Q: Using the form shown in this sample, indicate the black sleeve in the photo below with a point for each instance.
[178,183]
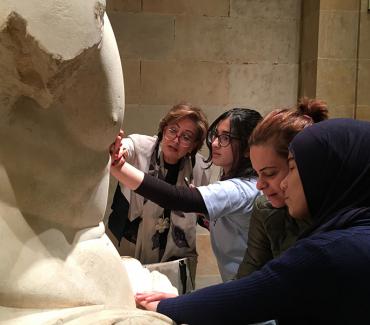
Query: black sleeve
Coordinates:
[171,197]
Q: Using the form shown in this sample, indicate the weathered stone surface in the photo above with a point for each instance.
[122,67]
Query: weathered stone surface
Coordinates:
[364,50]
[87,315]
[207,270]
[308,79]
[337,50]
[310,36]
[141,36]
[364,5]
[207,45]
[363,112]
[338,111]
[278,82]
[144,117]
[336,83]
[188,7]
[338,34]
[274,40]
[131,75]
[123,6]
[310,7]
[266,8]
[363,91]
[339,5]
[62,101]
[237,40]
[212,112]
[173,81]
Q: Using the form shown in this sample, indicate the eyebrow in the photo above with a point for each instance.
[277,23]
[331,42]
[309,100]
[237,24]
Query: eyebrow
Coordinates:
[267,167]
[222,132]
[290,159]
[186,130]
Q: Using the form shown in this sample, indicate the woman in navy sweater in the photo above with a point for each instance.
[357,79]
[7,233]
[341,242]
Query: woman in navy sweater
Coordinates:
[324,278]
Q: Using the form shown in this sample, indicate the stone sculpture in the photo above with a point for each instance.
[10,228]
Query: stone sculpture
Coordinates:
[61,104]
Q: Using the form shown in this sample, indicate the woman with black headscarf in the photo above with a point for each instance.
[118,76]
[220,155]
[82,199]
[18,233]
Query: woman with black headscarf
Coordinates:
[324,278]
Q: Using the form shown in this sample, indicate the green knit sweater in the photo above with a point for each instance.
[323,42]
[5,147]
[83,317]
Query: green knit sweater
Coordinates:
[271,232]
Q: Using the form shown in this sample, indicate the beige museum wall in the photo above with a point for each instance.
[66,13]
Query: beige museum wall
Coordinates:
[335,55]
[363,98]
[214,53]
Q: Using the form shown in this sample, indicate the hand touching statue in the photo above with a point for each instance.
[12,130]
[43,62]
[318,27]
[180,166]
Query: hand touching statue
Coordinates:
[150,300]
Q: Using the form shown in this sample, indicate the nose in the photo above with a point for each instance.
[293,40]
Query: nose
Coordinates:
[260,184]
[176,139]
[284,184]
[216,142]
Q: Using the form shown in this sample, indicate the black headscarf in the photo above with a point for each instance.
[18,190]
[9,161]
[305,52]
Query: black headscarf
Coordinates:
[333,160]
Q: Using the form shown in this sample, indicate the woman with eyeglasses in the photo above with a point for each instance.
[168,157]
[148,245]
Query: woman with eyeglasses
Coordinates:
[227,202]
[141,228]
[324,277]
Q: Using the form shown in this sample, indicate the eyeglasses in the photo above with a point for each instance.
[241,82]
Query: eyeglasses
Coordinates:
[185,139]
[224,139]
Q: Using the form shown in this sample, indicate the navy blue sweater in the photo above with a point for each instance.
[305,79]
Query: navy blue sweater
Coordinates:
[322,279]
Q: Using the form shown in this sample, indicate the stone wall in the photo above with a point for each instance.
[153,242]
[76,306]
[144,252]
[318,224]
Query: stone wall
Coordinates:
[363,93]
[335,55]
[214,53]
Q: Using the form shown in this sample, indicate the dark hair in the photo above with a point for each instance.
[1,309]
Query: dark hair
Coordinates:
[186,110]
[242,123]
[279,127]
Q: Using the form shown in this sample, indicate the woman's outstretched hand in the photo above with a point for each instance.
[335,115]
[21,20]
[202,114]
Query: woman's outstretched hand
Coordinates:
[150,300]
[117,151]
[128,175]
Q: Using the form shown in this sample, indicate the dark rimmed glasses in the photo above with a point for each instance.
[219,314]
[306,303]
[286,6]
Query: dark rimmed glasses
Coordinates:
[185,139]
[223,139]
